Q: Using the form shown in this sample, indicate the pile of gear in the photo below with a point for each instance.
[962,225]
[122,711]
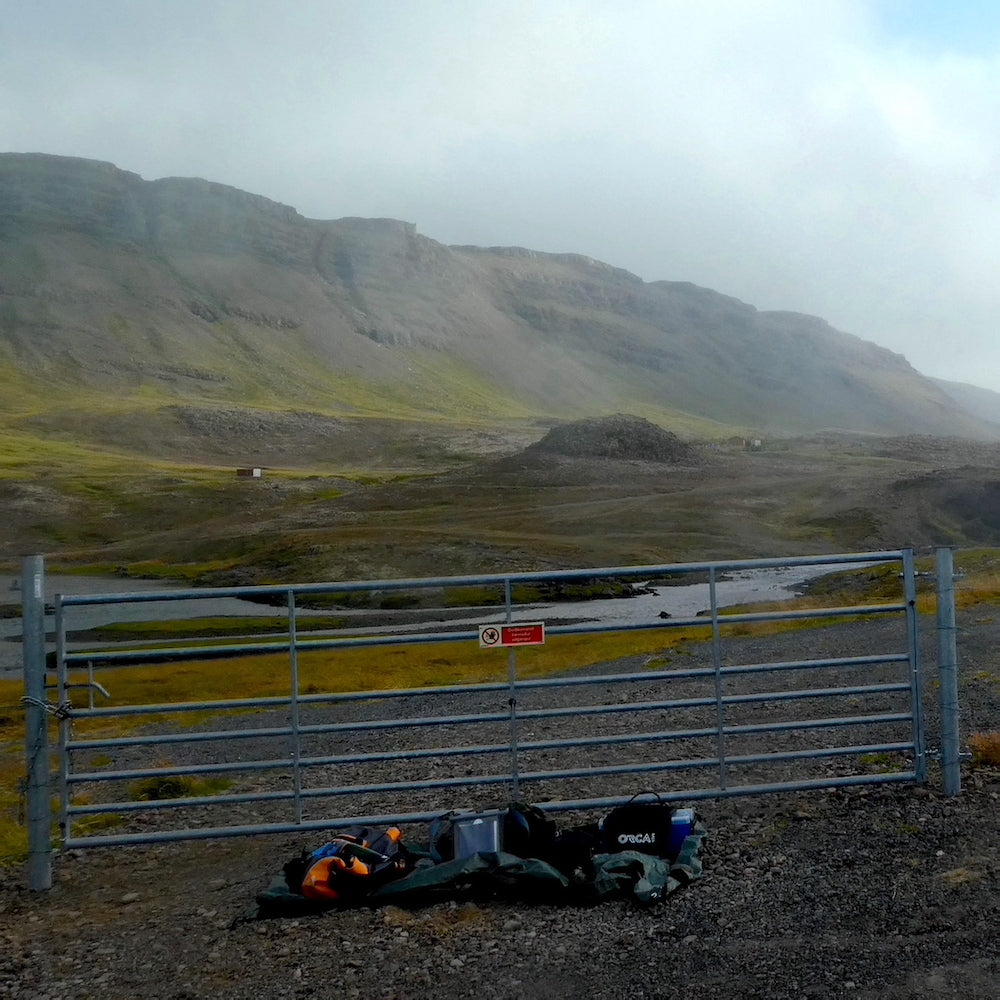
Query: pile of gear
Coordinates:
[641,849]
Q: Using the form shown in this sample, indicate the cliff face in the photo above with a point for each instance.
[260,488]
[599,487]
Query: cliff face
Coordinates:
[203,292]
[88,196]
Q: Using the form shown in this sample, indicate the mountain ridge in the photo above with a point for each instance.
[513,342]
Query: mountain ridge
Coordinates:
[188,290]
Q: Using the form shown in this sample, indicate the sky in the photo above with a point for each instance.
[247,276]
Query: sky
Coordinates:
[834,157]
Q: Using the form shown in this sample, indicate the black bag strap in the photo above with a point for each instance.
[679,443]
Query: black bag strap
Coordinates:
[648,791]
[442,837]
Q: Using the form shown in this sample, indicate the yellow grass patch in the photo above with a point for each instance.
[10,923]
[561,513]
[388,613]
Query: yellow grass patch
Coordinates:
[438,923]
[962,876]
[380,668]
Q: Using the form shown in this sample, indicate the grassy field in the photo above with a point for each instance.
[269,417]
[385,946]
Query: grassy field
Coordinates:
[149,487]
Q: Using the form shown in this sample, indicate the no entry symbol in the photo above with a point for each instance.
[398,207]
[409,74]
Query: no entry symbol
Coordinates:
[515,634]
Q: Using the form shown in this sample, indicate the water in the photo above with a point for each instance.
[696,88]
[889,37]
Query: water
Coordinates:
[680,601]
[688,600]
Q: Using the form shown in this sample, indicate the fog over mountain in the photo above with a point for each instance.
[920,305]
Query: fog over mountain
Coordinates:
[837,159]
[186,290]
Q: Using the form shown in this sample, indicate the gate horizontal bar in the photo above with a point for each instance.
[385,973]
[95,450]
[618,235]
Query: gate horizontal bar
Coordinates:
[399,819]
[426,583]
[492,779]
[178,653]
[386,755]
[546,713]
[531,684]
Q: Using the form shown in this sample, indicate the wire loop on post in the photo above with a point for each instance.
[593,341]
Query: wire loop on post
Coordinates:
[61,711]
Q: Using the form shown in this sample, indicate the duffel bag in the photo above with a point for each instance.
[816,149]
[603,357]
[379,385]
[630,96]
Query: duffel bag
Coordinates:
[639,826]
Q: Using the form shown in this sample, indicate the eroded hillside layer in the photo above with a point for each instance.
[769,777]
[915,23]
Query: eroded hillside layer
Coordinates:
[182,289]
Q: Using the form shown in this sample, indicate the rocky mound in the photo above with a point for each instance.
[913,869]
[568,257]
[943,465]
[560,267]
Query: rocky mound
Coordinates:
[620,436]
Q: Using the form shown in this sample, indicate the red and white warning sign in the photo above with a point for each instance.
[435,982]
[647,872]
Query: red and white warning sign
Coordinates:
[521,634]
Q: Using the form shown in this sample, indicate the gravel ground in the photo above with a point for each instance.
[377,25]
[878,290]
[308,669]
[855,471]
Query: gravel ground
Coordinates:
[863,892]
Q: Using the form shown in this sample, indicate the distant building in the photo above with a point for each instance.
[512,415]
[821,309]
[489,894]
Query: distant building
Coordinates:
[747,444]
[255,472]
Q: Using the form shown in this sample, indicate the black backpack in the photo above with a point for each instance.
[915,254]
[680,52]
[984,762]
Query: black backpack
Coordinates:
[525,831]
[574,850]
[528,832]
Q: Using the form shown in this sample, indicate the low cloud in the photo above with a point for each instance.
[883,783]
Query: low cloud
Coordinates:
[805,157]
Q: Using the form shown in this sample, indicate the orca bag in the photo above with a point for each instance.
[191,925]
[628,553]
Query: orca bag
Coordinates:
[639,826]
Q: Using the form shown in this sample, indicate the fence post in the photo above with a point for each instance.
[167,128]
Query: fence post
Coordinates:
[36,743]
[948,670]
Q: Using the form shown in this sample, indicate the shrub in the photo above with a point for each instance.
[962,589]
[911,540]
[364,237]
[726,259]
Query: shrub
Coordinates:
[154,789]
[985,749]
[175,787]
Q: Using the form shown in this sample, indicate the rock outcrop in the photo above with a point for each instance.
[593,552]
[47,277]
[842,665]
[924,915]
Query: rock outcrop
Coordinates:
[618,437]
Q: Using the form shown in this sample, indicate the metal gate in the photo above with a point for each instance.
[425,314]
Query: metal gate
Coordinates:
[569,710]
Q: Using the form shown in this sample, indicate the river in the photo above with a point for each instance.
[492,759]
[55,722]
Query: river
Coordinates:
[678,601]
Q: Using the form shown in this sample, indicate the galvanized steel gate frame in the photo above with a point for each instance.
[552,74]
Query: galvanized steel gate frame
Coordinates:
[508,785]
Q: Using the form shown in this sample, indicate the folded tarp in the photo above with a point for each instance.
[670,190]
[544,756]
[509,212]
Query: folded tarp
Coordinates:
[479,876]
[491,875]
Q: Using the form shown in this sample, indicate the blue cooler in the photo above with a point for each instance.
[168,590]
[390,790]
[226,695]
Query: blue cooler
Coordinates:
[681,824]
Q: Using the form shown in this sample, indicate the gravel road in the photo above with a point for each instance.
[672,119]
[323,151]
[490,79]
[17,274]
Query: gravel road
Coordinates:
[861,893]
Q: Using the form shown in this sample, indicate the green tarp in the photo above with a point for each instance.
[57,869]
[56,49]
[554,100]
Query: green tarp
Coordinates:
[492,875]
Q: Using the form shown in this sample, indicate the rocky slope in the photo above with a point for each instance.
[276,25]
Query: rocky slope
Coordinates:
[617,437]
[185,289]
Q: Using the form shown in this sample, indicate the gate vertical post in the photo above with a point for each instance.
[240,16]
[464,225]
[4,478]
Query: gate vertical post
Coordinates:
[62,687]
[916,678]
[720,711]
[515,776]
[948,670]
[293,652]
[36,744]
